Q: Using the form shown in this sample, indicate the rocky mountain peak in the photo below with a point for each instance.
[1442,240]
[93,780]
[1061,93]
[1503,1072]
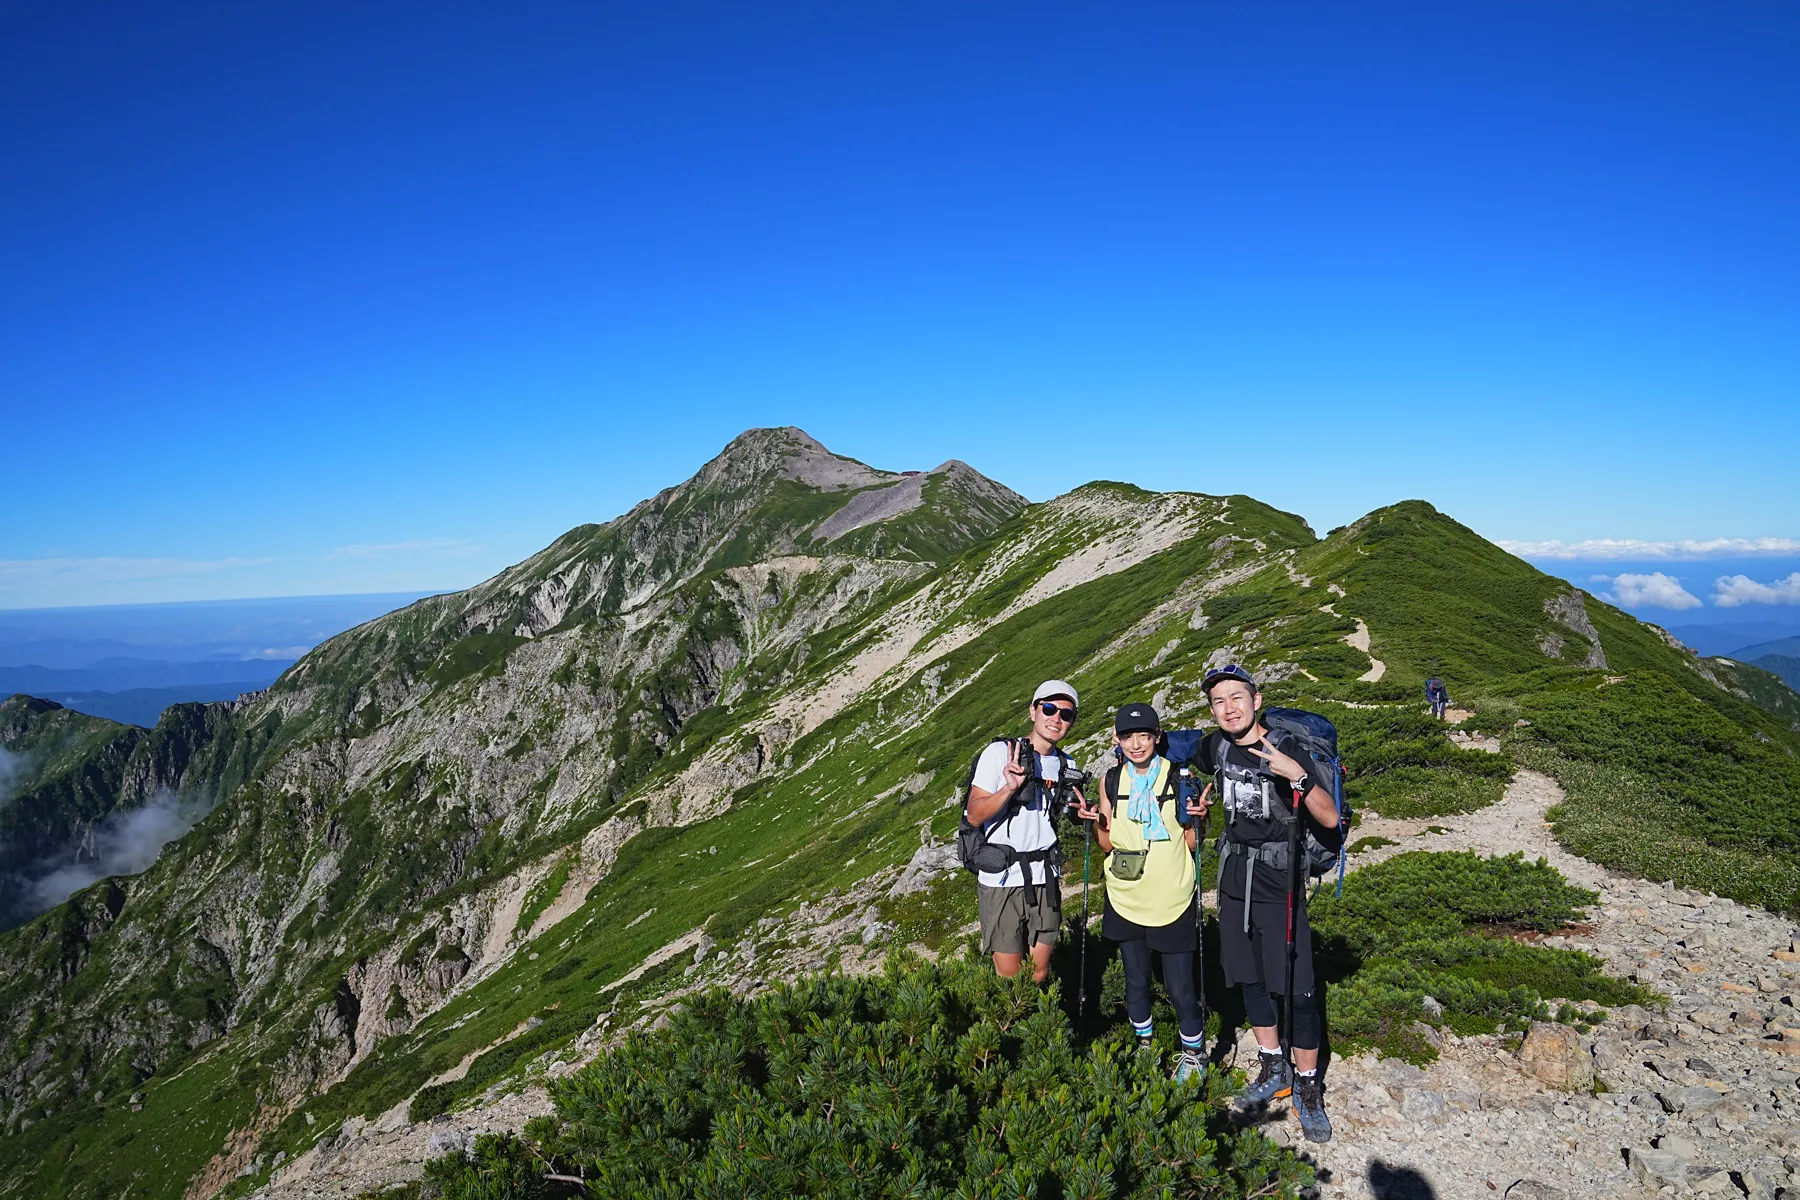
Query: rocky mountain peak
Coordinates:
[787,452]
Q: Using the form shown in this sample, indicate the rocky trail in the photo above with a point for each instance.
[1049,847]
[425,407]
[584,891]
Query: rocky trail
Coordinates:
[1702,1099]
[1699,1100]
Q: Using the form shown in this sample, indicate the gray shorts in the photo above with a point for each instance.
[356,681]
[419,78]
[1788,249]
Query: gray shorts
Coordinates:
[1011,923]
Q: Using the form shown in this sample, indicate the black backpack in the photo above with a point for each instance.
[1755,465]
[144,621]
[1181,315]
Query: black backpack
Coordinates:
[973,849]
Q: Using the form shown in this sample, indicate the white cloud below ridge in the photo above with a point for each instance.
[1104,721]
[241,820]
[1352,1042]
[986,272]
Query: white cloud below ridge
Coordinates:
[1633,548]
[1654,590]
[1733,591]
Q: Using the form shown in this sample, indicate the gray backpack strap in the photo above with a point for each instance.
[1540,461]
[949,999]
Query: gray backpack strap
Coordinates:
[1221,750]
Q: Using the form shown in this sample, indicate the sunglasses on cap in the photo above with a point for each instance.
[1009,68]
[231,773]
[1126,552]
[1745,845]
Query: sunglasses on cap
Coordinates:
[1233,671]
[1057,710]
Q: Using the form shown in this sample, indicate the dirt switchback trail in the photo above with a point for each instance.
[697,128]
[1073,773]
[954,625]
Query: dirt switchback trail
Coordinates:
[1700,1100]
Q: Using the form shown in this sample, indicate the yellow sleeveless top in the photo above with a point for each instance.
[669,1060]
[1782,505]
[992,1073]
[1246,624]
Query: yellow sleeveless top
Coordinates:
[1165,889]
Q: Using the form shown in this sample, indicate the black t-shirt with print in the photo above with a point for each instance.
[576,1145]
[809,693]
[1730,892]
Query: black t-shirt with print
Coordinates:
[1239,794]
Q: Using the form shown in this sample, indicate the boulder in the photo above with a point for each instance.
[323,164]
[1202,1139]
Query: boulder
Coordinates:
[1690,1100]
[1554,1054]
[1711,1181]
[1658,1168]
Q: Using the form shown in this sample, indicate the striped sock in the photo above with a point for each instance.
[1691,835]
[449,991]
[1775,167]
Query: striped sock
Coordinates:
[1143,1029]
[1193,1043]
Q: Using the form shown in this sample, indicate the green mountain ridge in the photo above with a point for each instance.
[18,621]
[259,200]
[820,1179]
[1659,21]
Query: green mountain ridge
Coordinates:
[460,829]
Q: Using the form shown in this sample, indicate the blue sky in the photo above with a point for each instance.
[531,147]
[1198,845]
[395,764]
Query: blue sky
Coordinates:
[370,298]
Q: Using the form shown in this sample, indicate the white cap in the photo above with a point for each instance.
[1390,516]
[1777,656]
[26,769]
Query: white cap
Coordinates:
[1055,687]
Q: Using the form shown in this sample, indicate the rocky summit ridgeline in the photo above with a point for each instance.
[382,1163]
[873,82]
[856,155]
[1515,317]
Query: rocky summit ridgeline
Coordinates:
[458,850]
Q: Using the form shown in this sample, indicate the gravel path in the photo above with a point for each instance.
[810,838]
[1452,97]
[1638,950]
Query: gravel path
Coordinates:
[1701,1099]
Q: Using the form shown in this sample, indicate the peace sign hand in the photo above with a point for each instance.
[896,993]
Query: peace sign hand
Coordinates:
[1278,763]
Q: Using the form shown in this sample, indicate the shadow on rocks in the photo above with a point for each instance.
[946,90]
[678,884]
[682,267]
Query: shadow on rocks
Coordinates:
[1390,1182]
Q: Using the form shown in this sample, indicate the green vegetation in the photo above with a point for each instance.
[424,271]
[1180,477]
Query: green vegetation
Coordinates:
[1400,764]
[479,750]
[1442,926]
[924,1081]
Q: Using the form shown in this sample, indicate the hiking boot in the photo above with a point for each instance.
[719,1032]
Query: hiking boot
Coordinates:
[1273,1083]
[1188,1065]
[1146,1051]
[1309,1106]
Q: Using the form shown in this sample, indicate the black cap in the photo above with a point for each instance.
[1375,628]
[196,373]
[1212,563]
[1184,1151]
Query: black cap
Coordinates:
[1135,717]
[1221,674]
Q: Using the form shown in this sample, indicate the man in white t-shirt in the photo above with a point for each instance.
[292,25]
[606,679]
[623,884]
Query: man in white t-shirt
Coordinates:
[1011,796]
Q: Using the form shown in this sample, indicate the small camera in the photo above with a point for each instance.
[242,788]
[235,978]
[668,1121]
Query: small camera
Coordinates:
[1072,779]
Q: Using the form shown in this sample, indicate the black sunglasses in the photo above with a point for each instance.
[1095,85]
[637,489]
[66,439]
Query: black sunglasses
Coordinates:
[1056,710]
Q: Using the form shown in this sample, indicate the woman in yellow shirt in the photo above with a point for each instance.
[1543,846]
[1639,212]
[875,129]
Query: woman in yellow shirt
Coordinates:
[1150,899]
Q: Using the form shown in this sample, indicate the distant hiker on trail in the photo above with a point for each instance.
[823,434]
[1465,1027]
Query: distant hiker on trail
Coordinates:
[1151,901]
[1009,836]
[1257,890]
[1438,695]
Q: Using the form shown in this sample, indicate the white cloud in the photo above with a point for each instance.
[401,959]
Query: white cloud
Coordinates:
[1655,590]
[11,767]
[1731,591]
[125,842]
[1632,548]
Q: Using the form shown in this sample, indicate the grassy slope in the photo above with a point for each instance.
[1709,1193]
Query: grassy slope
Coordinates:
[1438,601]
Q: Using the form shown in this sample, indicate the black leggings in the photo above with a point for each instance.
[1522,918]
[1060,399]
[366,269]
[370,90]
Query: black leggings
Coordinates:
[1178,978]
[1263,1012]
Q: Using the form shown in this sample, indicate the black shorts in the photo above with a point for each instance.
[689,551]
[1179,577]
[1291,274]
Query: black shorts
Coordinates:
[1261,955]
[1180,936]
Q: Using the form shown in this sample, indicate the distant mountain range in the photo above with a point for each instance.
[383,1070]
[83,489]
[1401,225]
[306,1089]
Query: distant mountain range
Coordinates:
[144,706]
[282,627]
[1734,641]
[122,674]
[1779,658]
[1788,647]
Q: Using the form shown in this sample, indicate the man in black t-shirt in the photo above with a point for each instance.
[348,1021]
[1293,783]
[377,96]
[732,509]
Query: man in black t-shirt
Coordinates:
[1261,772]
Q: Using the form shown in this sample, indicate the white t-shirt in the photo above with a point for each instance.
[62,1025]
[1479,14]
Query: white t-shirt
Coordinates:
[1030,827]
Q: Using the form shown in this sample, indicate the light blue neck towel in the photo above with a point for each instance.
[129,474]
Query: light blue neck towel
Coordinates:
[1142,807]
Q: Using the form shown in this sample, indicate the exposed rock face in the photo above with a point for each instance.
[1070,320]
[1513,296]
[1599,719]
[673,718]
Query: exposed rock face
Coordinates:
[876,505]
[1570,609]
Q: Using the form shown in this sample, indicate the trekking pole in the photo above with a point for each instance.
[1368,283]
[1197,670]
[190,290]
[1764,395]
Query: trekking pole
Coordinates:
[1200,912]
[1293,930]
[1087,841]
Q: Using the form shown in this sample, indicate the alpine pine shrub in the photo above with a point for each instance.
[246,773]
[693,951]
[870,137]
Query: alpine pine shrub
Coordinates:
[925,1081]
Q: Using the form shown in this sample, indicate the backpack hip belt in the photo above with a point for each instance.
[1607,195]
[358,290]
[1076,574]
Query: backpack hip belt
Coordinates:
[1273,854]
